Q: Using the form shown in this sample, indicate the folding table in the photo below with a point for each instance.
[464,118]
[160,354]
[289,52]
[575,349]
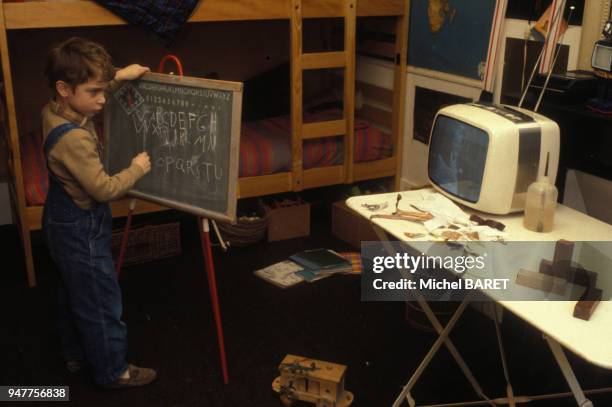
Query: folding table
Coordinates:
[591,340]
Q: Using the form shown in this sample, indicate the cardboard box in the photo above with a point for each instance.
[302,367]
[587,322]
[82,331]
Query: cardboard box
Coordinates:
[349,226]
[287,221]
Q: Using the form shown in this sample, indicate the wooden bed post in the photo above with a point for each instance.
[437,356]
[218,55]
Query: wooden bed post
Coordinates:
[399,85]
[296,94]
[350,23]
[16,183]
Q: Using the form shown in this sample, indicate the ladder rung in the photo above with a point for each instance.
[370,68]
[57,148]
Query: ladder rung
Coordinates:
[320,60]
[328,128]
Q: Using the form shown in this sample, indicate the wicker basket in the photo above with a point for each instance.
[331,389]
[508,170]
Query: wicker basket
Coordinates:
[148,243]
[246,231]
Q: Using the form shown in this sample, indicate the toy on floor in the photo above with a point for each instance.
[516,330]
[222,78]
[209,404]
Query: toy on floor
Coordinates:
[314,381]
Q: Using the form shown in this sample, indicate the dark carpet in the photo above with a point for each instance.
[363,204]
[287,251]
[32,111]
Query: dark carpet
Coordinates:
[170,327]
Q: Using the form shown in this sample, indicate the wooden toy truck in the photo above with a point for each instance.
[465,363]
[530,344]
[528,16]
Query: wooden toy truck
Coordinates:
[314,381]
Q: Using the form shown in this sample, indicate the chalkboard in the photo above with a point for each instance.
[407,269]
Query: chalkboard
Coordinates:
[190,127]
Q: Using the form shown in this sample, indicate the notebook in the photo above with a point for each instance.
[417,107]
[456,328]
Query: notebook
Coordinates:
[320,259]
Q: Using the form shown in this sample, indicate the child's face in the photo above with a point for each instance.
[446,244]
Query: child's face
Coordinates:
[88,98]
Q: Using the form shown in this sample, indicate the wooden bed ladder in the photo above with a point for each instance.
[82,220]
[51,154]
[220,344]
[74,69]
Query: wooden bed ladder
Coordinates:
[300,61]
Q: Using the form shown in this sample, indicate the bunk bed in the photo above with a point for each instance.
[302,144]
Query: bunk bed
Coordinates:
[339,155]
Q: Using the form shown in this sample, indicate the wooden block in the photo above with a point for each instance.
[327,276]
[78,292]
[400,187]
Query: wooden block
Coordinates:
[583,277]
[574,274]
[546,267]
[585,307]
[541,281]
[562,258]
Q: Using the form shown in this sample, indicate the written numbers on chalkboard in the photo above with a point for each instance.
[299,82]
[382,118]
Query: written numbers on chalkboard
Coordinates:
[190,127]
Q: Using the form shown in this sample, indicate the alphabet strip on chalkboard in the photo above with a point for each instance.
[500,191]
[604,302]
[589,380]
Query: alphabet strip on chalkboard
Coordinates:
[186,90]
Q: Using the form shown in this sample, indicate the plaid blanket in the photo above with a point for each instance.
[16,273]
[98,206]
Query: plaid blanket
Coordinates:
[162,17]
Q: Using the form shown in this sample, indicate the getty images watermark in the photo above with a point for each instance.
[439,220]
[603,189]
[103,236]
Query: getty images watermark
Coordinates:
[448,271]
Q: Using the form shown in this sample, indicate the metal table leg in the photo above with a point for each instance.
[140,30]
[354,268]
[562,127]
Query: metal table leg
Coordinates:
[434,348]
[439,329]
[567,371]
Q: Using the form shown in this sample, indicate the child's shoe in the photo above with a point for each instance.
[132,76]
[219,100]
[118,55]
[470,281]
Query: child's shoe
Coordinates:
[133,377]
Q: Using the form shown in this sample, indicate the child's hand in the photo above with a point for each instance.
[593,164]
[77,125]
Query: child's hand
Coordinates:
[142,160]
[131,72]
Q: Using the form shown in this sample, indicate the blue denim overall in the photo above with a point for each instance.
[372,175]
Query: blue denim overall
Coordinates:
[89,295]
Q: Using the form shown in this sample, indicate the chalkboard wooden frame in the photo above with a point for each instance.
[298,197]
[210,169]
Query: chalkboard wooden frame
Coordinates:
[229,214]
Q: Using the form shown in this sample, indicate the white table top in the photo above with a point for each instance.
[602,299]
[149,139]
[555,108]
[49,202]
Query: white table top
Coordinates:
[591,339]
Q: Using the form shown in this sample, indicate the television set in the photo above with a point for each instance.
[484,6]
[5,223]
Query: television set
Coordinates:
[485,156]
[602,55]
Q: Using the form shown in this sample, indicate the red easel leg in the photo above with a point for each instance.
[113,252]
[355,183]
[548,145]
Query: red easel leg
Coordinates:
[124,238]
[212,286]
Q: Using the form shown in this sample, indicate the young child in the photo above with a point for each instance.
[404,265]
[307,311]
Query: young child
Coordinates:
[77,219]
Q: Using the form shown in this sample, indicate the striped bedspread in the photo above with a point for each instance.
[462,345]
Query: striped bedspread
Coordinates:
[265,145]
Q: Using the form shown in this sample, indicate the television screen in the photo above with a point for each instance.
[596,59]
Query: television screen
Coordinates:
[457,157]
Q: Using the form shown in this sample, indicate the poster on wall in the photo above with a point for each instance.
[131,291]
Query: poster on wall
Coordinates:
[454,36]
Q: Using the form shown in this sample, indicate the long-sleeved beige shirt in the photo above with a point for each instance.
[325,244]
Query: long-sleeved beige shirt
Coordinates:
[76,160]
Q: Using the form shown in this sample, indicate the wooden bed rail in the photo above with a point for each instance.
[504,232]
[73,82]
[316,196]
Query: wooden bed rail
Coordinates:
[78,13]
[18,195]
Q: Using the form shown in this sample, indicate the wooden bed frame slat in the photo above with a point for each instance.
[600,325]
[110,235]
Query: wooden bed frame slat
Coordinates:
[323,176]
[328,128]
[324,60]
[350,29]
[86,14]
[296,94]
[364,8]
[375,169]
[399,84]
[264,185]
[13,137]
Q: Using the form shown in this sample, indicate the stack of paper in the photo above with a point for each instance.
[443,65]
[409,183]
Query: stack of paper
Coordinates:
[449,219]
[310,265]
[281,274]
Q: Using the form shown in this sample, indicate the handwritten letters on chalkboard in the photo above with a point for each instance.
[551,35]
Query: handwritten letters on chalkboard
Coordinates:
[190,128]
